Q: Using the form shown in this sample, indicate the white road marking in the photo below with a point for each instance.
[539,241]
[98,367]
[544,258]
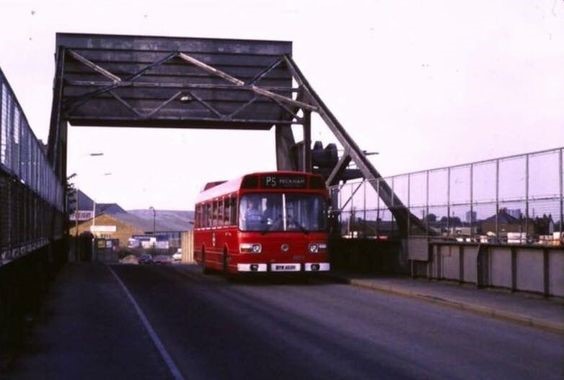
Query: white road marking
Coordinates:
[152,333]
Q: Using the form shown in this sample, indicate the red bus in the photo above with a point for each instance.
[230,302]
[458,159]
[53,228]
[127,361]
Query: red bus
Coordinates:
[263,222]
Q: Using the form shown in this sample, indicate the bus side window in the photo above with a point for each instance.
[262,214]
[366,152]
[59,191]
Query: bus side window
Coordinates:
[208,215]
[219,221]
[227,210]
[214,213]
[197,219]
[234,210]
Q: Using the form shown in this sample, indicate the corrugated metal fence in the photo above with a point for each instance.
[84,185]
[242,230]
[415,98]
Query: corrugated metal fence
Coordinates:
[32,247]
[31,197]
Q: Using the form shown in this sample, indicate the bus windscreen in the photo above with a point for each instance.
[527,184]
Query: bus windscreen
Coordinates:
[282,212]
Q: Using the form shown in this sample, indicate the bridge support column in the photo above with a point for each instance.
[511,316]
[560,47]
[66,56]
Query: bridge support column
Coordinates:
[284,143]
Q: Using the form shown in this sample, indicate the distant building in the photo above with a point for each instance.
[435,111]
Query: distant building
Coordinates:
[109,208]
[516,213]
[106,226]
[85,207]
[507,223]
[125,227]
[111,221]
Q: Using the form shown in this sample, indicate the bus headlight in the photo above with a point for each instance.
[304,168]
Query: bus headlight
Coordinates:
[317,247]
[250,248]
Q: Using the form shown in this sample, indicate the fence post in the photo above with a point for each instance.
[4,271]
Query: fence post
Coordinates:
[561,175]
[546,272]
[427,201]
[482,266]
[448,202]
[497,200]
[460,264]
[513,269]
[472,201]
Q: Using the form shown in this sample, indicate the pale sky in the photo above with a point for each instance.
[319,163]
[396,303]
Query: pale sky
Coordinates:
[424,83]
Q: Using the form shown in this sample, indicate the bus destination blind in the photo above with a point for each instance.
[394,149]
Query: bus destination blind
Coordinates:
[284,182]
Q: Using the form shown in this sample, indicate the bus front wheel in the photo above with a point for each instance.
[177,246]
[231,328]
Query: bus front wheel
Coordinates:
[205,269]
[225,263]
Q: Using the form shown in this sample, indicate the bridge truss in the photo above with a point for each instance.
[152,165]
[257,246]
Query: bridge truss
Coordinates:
[165,82]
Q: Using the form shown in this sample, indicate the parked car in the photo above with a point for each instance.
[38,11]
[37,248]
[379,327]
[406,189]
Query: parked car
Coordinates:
[145,259]
[162,259]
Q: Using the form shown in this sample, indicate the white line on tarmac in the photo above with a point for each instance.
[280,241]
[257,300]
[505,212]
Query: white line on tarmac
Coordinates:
[152,333]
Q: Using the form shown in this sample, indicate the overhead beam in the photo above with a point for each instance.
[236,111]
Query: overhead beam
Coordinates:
[94,66]
[237,82]
[199,86]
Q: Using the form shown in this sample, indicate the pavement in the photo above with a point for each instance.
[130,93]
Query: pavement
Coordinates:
[89,319]
[519,307]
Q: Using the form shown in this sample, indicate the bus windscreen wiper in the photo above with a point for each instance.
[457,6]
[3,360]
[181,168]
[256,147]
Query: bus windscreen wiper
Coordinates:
[299,225]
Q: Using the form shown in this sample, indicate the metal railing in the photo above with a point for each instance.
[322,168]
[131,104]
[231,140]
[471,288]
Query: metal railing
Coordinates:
[516,199]
[31,196]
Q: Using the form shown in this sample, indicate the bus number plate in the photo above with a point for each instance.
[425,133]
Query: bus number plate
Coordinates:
[285,267]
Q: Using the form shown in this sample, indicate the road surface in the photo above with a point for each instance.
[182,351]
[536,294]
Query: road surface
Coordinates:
[213,328]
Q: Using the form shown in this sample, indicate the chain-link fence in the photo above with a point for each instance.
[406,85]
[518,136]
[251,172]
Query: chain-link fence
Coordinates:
[515,199]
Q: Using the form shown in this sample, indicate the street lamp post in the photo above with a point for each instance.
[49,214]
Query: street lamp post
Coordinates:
[154,228]
[94,247]
[154,216]
[76,214]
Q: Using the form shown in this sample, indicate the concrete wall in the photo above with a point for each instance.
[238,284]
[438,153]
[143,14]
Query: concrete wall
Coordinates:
[470,268]
[530,267]
[556,273]
[538,269]
[367,256]
[500,267]
[187,246]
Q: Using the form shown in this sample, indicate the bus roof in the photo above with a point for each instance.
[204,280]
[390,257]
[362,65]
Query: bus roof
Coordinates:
[288,180]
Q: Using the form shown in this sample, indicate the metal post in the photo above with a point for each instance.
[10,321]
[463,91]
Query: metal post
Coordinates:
[526,198]
[448,202]
[472,201]
[377,208]
[154,217]
[408,203]
[546,272]
[513,269]
[460,264]
[497,200]
[561,175]
[365,227]
[76,254]
[427,201]
[307,142]
[94,248]
[393,206]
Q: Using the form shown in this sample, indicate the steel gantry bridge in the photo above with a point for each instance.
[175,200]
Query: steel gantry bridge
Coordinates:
[166,82]
[153,82]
